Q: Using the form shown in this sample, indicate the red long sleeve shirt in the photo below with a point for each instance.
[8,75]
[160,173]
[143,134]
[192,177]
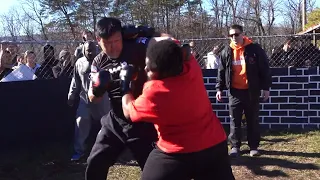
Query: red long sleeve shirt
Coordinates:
[181,111]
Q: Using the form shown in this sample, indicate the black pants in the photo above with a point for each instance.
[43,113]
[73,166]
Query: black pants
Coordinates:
[112,139]
[242,101]
[208,164]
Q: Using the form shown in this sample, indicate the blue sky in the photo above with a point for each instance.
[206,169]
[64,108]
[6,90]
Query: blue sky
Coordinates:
[6,6]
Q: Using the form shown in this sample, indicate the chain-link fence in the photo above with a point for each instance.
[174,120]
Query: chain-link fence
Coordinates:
[282,50]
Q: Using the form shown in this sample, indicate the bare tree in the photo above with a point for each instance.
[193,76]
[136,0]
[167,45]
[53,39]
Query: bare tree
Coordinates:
[88,12]
[233,4]
[24,23]
[10,25]
[64,11]
[293,12]
[32,11]
[271,8]
[220,14]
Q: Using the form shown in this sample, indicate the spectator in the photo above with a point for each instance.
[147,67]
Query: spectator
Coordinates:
[20,61]
[195,53]
[286,56]
[309,55]
[5,67]
[235,73]
[45,71]
[87,112]
[13,49]
[64,66]
[30,59]
[86,36]
[213,60]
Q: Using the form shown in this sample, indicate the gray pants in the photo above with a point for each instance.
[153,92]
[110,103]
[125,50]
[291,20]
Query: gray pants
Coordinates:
[86,115]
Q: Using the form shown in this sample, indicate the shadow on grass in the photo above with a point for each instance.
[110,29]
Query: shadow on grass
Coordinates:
[277,140]
[256,164]
[284,132]
[284,153]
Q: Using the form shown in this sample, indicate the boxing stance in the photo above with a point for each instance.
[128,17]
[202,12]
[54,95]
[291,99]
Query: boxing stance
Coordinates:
[192,142]
[117,132]
[86,111]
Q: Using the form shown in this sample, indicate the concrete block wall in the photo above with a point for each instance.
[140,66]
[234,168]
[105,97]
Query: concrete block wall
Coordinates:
[294,99]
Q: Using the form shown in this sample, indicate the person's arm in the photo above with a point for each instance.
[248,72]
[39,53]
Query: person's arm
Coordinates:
[92,97]
[75,87]
[126,100]
[140,109]
[94,70]
[264,70]
[56,71]
[221,80]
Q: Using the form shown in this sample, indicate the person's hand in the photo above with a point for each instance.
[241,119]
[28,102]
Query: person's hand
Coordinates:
[127,74]
[219,95]
[265,95]
[70,102]
[101,82]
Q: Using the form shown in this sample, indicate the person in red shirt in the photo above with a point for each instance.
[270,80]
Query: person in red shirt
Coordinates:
[192,142]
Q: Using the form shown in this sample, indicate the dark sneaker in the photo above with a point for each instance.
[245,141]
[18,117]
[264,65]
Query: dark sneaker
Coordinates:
[254,152]
[235,152]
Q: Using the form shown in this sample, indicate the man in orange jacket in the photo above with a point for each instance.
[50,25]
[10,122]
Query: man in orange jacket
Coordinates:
[244,71]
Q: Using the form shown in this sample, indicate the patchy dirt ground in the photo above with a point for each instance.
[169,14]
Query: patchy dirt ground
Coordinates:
[285,155]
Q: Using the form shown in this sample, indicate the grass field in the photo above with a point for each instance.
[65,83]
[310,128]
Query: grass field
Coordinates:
[285,155]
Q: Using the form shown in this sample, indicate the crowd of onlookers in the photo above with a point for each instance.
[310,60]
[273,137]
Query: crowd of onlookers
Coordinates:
[42,65]
[27,63]
[293,53]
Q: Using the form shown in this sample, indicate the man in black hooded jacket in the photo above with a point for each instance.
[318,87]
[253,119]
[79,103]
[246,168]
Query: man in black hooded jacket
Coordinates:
[45,71]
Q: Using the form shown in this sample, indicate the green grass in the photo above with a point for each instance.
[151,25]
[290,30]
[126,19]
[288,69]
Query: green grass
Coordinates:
[286,155]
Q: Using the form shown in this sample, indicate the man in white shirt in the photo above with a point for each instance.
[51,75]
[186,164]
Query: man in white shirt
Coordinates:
[213,60]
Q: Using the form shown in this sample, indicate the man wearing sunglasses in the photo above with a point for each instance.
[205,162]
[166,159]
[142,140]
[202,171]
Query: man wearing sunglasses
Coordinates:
[244,72]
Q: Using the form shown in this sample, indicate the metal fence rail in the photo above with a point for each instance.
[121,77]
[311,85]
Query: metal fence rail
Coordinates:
[282,50]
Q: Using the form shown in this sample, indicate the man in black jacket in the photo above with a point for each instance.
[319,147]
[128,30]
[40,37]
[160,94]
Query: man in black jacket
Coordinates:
[244,71]
[117,133]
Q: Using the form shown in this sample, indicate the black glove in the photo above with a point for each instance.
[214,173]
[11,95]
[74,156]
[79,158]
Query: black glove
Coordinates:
[132,32]
[127,74]
[146,31]
[101,82]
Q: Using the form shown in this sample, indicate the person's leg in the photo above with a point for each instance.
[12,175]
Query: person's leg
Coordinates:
[213,163]
[140,149]
[141,138]
[82,130]
[235,111]
[252,116]
[163,166]
[104,154]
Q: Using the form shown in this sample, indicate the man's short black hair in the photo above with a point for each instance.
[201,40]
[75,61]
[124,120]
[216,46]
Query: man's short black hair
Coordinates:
[237,26]
[107,26]
[165,58]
